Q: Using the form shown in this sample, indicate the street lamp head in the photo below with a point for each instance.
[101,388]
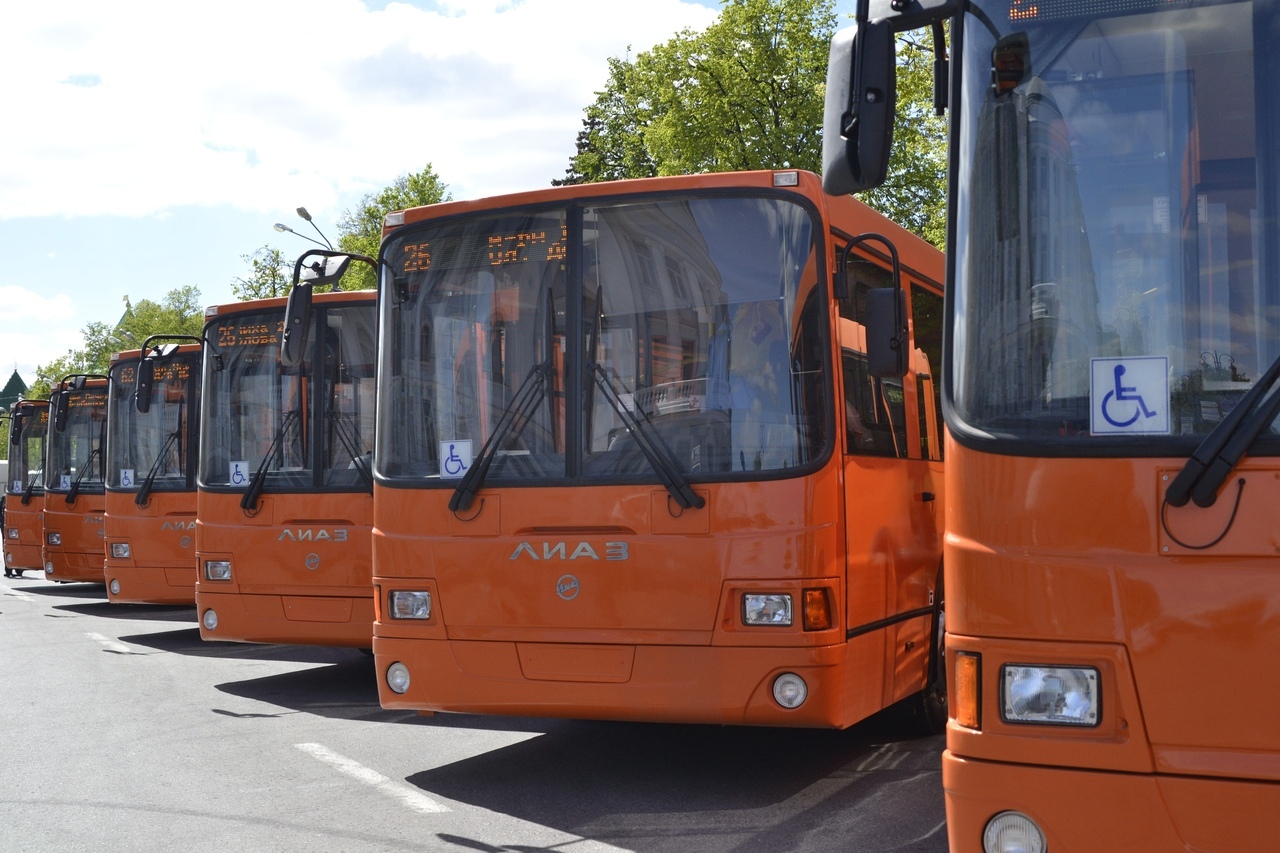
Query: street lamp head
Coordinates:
[302,211]
[281,227]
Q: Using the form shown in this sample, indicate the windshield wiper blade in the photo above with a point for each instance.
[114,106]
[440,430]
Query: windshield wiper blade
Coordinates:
[344,432]
[522,406]
[650,443]
[1220,451]
[249,501]
[74,491]
[144,491]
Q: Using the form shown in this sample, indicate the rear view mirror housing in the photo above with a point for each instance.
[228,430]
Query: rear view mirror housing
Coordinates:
[857,131]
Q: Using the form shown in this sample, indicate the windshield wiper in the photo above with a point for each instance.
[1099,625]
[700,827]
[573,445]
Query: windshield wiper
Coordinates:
[650,443]
[1220,451]
[349,442]
[514,417]
[249,501]
[26,493]
[532,390]
[144,491]
[74,491]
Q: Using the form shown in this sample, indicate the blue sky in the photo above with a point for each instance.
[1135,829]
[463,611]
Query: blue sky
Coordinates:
[149,145]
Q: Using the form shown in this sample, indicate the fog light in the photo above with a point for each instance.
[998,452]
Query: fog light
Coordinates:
[766,609]
[217,570]
[1012,832]
[120,550]
[1050,695]
[114,586]
[48,568]
[410,605]
[398,677]
[209,620]
[53,539]
[789,690]
[8,558]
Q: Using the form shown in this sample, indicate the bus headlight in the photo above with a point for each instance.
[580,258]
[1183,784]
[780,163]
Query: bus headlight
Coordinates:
[789,690]
[217,570]
[120,550]
[1012,832]
[11,532]
[1050,695]
[398,677]
[53,539]
[410,605]
[766,609]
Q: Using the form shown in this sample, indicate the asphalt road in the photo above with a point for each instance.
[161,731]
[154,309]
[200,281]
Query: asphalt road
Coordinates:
[121,730]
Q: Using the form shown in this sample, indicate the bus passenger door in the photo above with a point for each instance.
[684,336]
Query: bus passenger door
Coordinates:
[892,517]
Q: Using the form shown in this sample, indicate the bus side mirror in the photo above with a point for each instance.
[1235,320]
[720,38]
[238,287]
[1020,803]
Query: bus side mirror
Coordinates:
[857,124]
[142,387]
[887,332]
[15,428]
[58,402]
[297,319]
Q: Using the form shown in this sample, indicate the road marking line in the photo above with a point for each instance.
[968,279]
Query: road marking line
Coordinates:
[413,799]
[25,596]
[109,644]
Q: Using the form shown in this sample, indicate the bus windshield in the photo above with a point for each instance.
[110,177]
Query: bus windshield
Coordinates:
[26,455]
[154,447]
[1110,231]
[307,427]
[561,342]
[75,458]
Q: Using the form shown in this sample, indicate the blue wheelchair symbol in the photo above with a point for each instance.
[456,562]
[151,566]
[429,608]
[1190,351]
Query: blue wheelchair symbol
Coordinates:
[453,464]
[1124,394]
[237,475]
[126,479]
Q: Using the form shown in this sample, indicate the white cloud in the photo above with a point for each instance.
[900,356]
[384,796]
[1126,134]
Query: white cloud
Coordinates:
[38,329]
[137,106]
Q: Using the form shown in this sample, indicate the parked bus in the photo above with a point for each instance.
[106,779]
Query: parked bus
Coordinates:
[285,491]
[75,463]
[24,487]
[633,462]
[1111,394]
[153,418]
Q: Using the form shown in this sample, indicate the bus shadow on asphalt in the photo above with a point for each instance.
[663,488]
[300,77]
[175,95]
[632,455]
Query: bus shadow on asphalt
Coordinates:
[187,641]
[64,590]
[739,787]
[133,612]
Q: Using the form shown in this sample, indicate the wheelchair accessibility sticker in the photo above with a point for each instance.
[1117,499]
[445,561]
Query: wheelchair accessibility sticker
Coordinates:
[1129,396]
[455,459]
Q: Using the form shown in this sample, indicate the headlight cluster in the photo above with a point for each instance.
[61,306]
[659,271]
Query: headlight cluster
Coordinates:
[1053,695]
[53,539]
[120,551]
[217,570]
[410,604]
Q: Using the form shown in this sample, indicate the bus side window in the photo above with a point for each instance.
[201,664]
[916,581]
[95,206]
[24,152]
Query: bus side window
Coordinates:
[869,426]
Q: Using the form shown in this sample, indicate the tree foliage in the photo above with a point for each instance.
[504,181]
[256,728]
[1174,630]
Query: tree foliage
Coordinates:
[270,275]
[747,93]
[178,313]
[360,230]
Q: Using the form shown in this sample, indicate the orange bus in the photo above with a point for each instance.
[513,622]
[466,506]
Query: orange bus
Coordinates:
[1113,354]
[285,491]
[636,460]
[24,487]
[75,464]
[153,418]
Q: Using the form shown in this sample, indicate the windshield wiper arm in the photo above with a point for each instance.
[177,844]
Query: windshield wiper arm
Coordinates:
[249,501]
[650,443]
[1220,451]
[522,406]
[74,491]
[343,431]
[144,491]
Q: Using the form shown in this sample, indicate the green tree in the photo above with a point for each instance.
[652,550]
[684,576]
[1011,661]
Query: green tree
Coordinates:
[747,93]
[360,230]
[271,274]
[179,313]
